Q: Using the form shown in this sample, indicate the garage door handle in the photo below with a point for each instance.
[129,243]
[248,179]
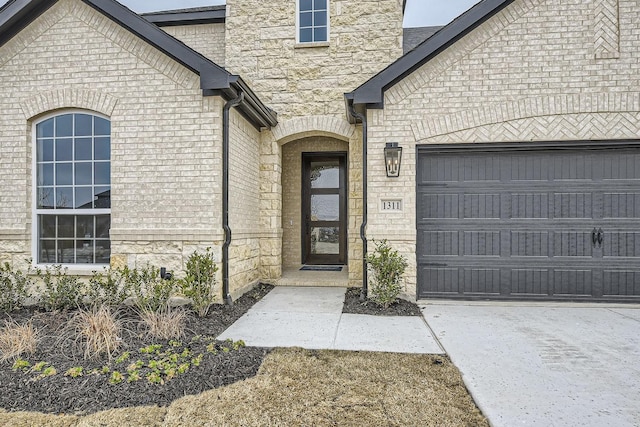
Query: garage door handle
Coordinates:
[600,237]
[594,237]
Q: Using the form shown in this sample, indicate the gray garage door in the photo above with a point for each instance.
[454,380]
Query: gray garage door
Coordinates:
[559,222]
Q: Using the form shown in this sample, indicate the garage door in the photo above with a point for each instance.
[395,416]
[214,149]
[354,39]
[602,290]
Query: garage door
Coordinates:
[554,222]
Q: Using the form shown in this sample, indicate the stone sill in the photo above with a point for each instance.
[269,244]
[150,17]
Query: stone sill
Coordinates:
[311,45]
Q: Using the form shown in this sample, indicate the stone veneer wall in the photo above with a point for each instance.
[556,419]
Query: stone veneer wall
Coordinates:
[208,39]
[540,70]
[165,135]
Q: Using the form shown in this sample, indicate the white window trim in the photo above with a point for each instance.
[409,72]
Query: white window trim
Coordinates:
[313,44]
[86,269]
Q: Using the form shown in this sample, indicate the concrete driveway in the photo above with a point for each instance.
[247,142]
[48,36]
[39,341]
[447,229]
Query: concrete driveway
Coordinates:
[547,364]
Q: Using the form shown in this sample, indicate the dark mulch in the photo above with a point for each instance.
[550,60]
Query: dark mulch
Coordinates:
[353,305]
[90,393]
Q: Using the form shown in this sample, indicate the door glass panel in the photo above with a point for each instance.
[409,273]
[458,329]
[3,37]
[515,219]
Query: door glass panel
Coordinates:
[325,207]
[325,240]
[325,174]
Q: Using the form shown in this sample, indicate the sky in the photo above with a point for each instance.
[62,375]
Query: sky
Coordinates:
[419,13]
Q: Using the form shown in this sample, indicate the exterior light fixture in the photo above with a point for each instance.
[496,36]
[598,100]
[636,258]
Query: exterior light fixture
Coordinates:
[392,159]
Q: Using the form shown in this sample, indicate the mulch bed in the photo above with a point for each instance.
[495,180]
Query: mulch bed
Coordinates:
[90,393]
[353,305]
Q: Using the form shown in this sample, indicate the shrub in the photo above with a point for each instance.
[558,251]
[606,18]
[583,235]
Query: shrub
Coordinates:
[109,287]
[387,267]
[151,292]
[200,281]
[16,340]
[165,324]
[61,291]
[96,332]
[14,287]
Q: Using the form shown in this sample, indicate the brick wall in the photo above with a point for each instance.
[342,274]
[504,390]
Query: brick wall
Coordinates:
[540,70]
[208,39]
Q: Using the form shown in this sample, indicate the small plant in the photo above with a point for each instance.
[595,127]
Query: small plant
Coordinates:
[133,376]
[123,357]
[155,378]
[200,282]
[21,365]
[14,288]
[387,267]
[110,287]
[116,378]
[150,349]
[96,331]
[49,371]
[38,367]
[150,291]
[167,324]
[74,372]
[61,291]
[17,340]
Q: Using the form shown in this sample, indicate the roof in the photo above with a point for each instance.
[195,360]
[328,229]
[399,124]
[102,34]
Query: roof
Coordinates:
[371,93]
[412,37]
[190,16]
[214,80]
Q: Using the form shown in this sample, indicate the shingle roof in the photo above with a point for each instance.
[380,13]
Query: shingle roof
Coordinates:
[412,37]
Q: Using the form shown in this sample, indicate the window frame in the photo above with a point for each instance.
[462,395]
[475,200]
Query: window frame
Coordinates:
[36,212]
[313,43]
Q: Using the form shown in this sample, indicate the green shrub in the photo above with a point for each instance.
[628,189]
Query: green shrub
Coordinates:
[14,287]
[387,267]
[151,293]
[61,291]
[200,281]
[109,287]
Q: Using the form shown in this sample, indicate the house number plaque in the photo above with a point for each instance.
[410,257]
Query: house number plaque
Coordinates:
[394,205]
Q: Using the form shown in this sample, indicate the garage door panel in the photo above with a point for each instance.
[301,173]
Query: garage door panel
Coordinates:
[481,280]
[440,280]
[438,206]
[573,244]
[439,243]
[573,282]
[529,205]
[481,206]
[480,168]
[621,283]
[527,168]
[481,243]
[530,244]
[621,205]
[573,205]
[621,168]
[621,244]
[530,281]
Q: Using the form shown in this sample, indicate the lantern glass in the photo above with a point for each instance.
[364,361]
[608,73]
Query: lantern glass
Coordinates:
[392,159]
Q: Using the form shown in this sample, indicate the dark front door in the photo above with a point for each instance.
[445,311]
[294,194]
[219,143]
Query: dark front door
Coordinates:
[324,208]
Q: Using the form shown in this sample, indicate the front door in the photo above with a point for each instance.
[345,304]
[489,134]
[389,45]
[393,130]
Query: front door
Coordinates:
[324,208]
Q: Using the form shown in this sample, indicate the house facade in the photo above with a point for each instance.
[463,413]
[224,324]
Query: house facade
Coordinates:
[259,129]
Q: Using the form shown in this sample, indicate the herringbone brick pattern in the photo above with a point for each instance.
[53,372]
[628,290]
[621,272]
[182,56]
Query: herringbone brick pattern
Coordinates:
[606,29]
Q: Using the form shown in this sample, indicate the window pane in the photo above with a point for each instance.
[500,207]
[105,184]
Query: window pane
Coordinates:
[320,18]
[84,226]
[47,252]
[103,224]
[45,150]
[64,150]
[84,198]
[45,129]
[320,35]
[102,173]
[102,126]
[45,198]
[66,252]
[83,149]
[325,174]
[103,149]
[64,125]
[84,251]
[102,198]
[83,173]
[103,251]
[83,125]
[325,240]
[48,226]
[64,197]
[64,173]
[306,5]
[306,19]
[325,207]
[320,4]
[45,174]
[306,35]
[66,226]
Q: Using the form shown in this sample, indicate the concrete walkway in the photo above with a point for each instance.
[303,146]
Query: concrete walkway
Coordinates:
[545,364]
[311,317]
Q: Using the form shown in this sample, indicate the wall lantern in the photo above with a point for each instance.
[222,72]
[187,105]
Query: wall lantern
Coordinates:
[392,159]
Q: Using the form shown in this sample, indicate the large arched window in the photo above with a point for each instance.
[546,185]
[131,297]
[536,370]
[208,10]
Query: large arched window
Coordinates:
[73,189]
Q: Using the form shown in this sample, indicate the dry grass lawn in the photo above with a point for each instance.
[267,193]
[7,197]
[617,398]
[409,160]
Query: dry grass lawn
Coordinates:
[309,388]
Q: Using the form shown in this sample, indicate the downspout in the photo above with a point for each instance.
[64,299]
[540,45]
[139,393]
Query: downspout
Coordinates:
[226,295]
[363,226]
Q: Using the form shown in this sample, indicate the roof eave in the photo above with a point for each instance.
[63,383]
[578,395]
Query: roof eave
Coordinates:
[187,18]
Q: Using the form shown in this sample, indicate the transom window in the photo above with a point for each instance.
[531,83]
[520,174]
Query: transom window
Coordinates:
[313,21]
[73,189]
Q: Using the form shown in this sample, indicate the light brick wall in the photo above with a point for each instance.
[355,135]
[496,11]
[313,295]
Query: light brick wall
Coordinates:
[165,135]
[208,39]
[365,37]
[531,73]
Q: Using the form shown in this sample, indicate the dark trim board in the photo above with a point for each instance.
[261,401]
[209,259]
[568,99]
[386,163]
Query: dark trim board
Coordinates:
[529,221]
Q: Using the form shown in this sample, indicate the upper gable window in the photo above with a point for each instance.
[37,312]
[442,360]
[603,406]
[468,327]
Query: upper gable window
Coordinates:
[313,21]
